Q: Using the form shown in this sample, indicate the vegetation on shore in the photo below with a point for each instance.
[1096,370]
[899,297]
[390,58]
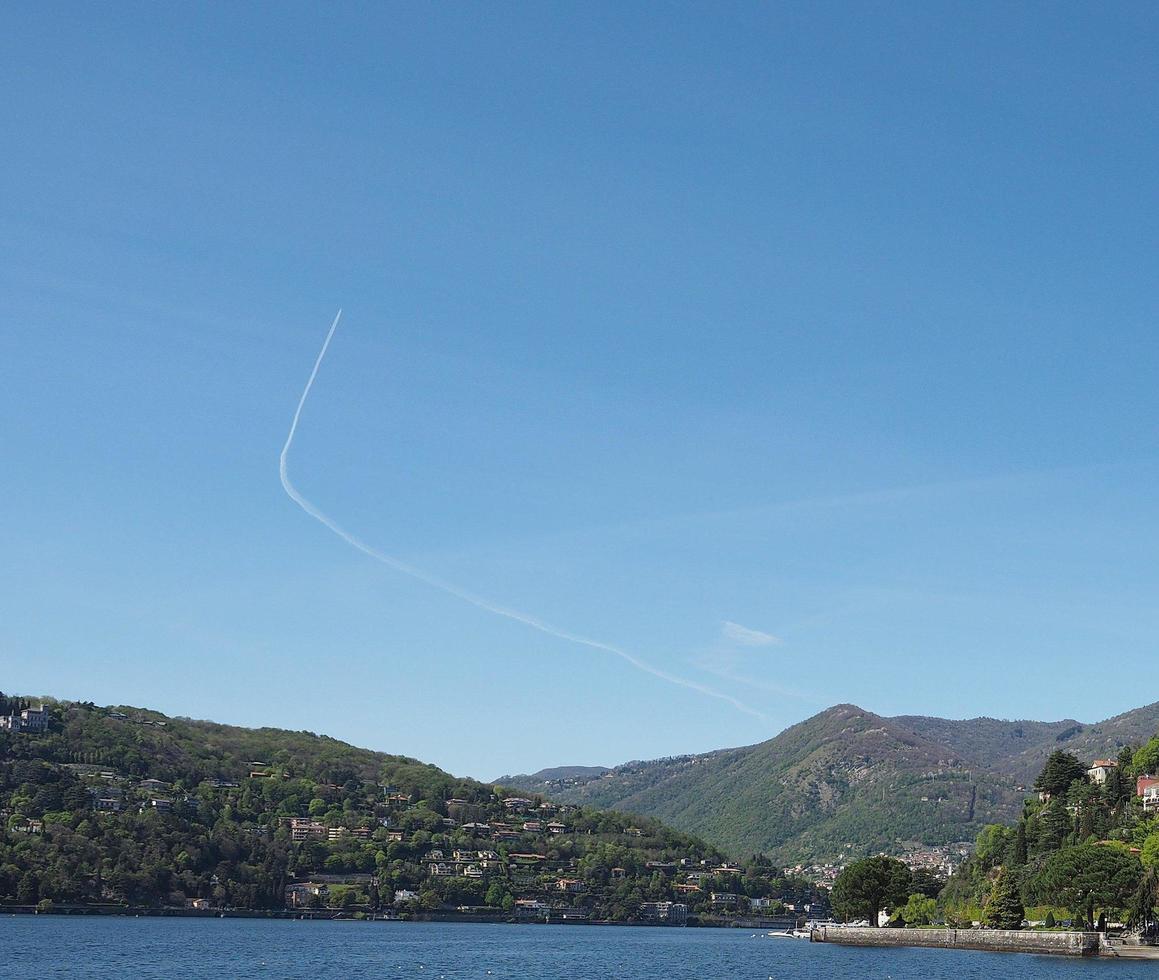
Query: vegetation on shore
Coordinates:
[1084,852]
[127,806]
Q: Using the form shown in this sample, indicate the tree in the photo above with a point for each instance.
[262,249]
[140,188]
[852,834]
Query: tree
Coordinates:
[28,891]
[1120,787]
[1142,908]
[1003,909]
[919,910]
[1054,827]
[1150,855]
[1090,876]
[991,844]
[495,895]
[1060,771]
[868,886]
[1018,851]
[1146,760]
[924,882]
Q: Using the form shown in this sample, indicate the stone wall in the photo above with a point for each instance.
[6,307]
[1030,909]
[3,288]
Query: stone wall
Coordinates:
[994,940]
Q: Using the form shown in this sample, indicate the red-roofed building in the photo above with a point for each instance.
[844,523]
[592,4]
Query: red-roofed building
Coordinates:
[1148,788]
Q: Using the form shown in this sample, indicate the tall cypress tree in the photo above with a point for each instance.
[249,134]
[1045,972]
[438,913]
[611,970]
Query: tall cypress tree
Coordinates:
[1004,909]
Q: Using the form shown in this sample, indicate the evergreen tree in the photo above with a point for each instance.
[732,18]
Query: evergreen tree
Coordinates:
[868,886]
[1089,877]
[1060,771]
[1018,851]
[1004,908]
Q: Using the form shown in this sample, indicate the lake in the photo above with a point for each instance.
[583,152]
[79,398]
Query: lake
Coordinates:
[63,946]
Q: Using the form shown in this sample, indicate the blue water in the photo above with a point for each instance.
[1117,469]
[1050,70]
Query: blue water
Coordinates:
[58,946]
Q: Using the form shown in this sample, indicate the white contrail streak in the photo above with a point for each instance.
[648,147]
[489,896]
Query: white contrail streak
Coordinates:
[447,587]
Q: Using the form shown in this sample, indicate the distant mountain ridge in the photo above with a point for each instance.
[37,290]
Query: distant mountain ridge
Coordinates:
[848,781]
[559,776]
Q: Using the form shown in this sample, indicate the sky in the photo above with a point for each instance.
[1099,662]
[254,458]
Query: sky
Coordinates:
[773,355]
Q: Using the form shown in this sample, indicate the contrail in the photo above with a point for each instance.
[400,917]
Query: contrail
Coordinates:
[456,591]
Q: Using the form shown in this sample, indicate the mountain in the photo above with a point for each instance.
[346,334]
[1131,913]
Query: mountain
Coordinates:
[1019,748]
[848,781]
[561,777]
[125,807]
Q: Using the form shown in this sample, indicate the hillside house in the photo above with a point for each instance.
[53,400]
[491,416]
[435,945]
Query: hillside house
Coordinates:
[30,721]
[1100,769]
[303,829]
[25,825]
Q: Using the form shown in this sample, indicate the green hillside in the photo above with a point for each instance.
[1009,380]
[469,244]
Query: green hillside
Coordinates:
[125,806]
[847,781]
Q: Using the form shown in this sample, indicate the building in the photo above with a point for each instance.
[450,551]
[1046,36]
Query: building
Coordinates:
[306,894]
[30,721]
[672,913]
[723,901]
[531,908]
[158,804]
[25,825]
[1100,769]
[303,829]
[1151,797]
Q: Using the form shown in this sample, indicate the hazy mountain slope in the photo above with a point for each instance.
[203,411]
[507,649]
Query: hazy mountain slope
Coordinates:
[1018,749]
[557,778]
[844,777]
[847,780]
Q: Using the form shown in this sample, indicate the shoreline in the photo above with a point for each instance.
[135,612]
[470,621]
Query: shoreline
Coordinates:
[337,915]
[1073,944]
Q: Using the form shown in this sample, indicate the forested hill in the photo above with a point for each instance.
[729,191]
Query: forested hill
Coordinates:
[849,781]
[126,806]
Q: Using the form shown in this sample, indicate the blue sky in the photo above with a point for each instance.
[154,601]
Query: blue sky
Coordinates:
[805,353]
